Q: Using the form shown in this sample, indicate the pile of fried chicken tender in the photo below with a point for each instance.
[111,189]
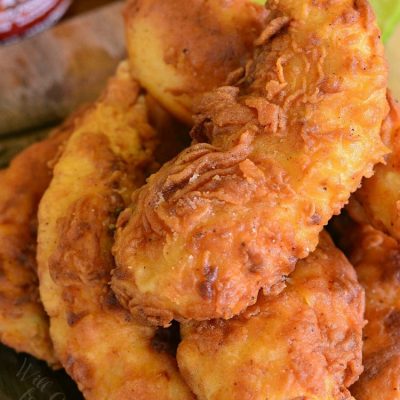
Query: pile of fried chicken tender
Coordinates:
[152,267]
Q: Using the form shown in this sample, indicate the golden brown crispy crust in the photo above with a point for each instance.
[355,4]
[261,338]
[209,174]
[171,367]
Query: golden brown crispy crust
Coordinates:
[108,155]
[304,343]
[180,49]
[276,156]
[378,200]
[376,258]
[23,321]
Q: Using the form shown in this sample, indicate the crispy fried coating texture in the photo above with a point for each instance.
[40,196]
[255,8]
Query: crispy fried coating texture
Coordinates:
[101,347]
[24,324]
[376,258]
[304,343]
[180,49]
[378,200]
[276,156]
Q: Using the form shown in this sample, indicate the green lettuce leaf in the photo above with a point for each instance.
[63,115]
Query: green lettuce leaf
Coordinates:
[387,11]
[388,14]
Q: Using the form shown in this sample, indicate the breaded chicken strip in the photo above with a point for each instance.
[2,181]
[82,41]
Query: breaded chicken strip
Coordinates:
[304,343]
[23,322]
[180,49]
[378,200]
[108,354]
[276,156]
[376,258]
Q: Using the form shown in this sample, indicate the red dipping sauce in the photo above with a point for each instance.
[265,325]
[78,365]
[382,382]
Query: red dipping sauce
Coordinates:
[21,18]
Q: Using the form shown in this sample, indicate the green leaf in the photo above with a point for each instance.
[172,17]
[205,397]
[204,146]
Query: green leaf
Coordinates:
[388,14]
[387,11]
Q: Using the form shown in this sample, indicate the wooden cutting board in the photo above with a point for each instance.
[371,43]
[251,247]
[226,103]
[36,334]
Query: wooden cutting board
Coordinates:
[45,77]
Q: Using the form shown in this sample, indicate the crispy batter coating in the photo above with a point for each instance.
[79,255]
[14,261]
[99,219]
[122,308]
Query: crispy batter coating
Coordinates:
[101,347]
[376,258]
[276,156]
[23,322]
[378,200]
[180,49]
[304,343]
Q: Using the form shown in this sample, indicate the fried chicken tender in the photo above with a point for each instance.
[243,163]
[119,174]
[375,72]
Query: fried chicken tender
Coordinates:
[274,158]
[180,49]
[24,324]
[378,200]
[376,258]
[101,347]
[304,343]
